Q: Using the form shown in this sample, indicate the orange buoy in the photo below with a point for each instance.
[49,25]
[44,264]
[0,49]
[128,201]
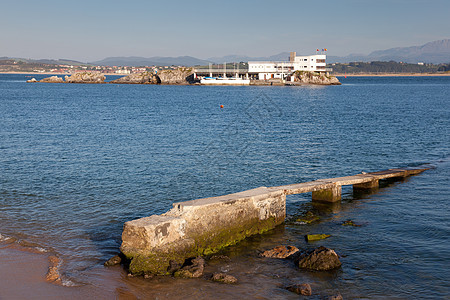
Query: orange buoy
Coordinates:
[221,106]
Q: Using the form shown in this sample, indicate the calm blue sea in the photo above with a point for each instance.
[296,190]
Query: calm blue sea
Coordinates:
[77,161]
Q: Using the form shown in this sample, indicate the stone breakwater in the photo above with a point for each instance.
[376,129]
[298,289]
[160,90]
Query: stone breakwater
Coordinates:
[204,226]
[183,76]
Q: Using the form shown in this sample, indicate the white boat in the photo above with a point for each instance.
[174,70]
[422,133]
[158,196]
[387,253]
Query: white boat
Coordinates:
[224,81]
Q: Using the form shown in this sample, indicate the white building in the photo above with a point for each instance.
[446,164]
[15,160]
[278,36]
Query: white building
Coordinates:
[264,70]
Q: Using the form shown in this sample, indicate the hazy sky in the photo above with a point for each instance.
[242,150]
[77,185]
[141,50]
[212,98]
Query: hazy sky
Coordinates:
[95,29]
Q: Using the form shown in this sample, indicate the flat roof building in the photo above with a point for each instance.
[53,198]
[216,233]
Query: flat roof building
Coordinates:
[264,70]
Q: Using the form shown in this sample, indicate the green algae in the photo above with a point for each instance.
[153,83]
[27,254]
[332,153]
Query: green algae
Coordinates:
[308,218]
[316,237]
[157,262]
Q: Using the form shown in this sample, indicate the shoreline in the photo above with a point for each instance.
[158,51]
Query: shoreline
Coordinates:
[392,74]
[336,74]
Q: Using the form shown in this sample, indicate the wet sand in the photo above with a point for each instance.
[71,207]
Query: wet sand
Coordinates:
[23,276]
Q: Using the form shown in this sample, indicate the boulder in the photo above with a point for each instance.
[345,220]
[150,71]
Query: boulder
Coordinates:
[224,278]
[193,268]
[53,272]
[280,252]
[32,80]
[115,260]
[53,79]
[320,259]
[138,78]
[301,289]
[177,76]
[336,297]
[315,78]
[86,77]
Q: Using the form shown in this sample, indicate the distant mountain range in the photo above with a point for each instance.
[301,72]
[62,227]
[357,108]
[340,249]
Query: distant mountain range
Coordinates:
[433,52]
[47,61]
[135,61]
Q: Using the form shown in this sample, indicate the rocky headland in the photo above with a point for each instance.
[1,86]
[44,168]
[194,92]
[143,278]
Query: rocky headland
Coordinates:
[138,78]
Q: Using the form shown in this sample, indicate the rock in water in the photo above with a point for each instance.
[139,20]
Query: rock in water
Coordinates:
[315,78]
[53,272]
[52,79]
[139,78]
[224,278]
[86,77]
[280,252]
[321,259]
[336,297]
[32,80]
[177,76]
[308,218]
[115,260]
[316,237]
[301,289]
[350,223]
[192,268]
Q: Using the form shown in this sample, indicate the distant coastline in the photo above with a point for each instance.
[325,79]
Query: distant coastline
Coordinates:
[390,74]
[333,74]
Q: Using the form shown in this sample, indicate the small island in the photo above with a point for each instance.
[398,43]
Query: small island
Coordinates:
[298,70]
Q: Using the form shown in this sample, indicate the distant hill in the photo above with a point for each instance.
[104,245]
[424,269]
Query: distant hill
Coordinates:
[135,61]
[433,52]
[238,58]
[60,61]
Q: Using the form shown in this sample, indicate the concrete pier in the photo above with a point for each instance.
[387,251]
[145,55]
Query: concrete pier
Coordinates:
[204,226]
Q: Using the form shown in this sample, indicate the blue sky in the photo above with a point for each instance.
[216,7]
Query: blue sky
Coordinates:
[91,30]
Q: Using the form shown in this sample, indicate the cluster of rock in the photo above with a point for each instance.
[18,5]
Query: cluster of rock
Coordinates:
[85,77]
[139,78]
[319,259]
[52,79]
[177,76]
[315,78]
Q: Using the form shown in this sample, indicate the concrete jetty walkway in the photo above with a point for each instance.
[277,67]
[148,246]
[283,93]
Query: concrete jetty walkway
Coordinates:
[204,226]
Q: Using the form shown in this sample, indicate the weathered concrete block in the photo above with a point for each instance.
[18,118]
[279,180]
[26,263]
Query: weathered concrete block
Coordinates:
[200,227]
[332,194]
[374,184]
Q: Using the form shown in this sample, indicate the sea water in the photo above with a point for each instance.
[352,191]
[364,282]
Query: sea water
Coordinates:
[79,160]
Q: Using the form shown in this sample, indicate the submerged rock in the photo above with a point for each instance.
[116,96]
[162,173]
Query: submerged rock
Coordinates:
[308,218]
[115,260]
[86,77]
[336,297]
[52,79]
[138,78]
[224,278]
[192,268]
[280,252]
[301,289]
[350,223]
[320,259]
[316,237]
